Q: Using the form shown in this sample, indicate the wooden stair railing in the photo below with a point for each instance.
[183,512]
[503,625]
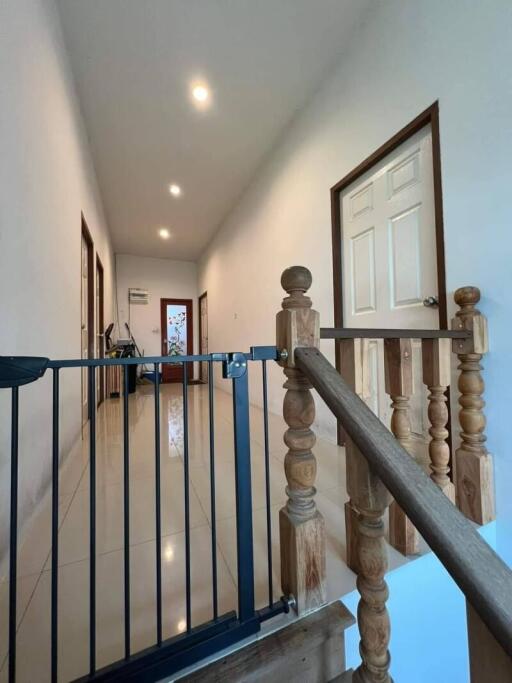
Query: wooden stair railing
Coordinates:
[472,488]
[378,467]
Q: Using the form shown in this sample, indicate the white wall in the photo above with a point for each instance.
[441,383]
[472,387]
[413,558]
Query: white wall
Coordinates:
[46,181]
[164,279]
[406,56]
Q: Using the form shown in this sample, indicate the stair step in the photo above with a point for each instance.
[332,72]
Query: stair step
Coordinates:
[309,650]
[345,677]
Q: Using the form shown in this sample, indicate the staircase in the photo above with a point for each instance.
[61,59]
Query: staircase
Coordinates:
[308,650]
[268,644]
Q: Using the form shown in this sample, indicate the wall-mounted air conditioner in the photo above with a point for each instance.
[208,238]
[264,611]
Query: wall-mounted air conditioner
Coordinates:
[138,296]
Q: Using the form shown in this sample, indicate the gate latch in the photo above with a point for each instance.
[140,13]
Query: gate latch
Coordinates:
[235,366]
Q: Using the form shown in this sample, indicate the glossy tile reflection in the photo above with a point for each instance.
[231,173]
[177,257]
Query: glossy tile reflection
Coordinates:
[35,544]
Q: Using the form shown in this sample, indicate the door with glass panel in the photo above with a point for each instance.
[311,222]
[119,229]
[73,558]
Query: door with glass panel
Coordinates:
[177,335]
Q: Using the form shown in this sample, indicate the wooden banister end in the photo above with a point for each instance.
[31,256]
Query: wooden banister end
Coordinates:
[474,466]
[302,528]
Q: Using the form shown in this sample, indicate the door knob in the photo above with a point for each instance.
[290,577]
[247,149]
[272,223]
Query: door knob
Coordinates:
[431,302]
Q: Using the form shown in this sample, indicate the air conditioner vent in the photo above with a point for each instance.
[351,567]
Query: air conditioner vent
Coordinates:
[138,296]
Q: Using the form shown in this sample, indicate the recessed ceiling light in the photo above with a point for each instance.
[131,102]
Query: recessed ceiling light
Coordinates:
[164,233]
[175,190]
[201,94]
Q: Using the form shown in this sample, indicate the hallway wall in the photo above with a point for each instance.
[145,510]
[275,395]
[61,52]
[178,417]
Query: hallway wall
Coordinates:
[46,180]
[164,279]
[406,56]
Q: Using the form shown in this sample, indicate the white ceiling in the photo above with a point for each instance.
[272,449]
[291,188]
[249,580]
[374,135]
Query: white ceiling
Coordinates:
[133,61]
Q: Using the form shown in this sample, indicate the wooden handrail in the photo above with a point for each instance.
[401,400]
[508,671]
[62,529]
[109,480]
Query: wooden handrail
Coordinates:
[384,333]
[483,577]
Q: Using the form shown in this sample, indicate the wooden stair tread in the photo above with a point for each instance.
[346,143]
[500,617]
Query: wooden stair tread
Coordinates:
[309,650]
[345,677]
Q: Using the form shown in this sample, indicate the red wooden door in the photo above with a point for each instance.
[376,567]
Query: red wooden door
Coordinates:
[177,336]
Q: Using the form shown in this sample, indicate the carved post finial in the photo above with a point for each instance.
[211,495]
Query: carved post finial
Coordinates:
[474,468]
[302,528]
[296,279]
[467,298]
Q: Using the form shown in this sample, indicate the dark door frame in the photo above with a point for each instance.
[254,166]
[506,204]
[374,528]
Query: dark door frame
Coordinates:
[167,370]
[91,294]
[200,324]
[100,275]
[429,116]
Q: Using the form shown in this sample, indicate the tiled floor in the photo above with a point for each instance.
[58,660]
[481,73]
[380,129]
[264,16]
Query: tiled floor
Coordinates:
[33,658]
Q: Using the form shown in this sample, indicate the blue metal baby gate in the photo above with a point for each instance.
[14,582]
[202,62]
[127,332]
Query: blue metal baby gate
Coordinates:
[166,656]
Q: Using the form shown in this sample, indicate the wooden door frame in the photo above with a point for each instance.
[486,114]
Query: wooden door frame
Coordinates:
[429,116]
[91,294]
[100,275]
[189,303]
[200,325]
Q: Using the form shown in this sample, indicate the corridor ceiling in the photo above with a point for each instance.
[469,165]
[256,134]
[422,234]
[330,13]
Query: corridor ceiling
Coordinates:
[134,62]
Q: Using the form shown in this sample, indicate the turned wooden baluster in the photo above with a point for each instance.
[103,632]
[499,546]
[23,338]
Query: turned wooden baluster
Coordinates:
[436,356]
[398,378]
[351,369]
[473,464]
[302,527]
[370,499]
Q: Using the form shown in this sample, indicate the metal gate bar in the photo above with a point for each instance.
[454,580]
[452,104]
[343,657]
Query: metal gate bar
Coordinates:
[92,520]
[236,369]
[55,523]
[126,483]
[186,474]
[215,603]
[166,656]
[158,509]
[267,482]
[13,551]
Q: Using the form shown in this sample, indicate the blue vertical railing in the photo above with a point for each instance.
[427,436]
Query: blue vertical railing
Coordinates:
[166,655]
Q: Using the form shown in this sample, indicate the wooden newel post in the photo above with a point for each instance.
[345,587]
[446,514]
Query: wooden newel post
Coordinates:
[474,468]
[301,526]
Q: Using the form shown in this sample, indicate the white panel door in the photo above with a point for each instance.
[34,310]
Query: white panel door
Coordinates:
[389,260]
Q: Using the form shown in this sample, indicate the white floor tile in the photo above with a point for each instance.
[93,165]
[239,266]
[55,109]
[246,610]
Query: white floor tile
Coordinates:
[34,560]
[34,652]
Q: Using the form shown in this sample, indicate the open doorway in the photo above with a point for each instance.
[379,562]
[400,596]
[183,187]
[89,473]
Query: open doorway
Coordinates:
[203,336]
[388,251]
[87,311]
[177,336]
